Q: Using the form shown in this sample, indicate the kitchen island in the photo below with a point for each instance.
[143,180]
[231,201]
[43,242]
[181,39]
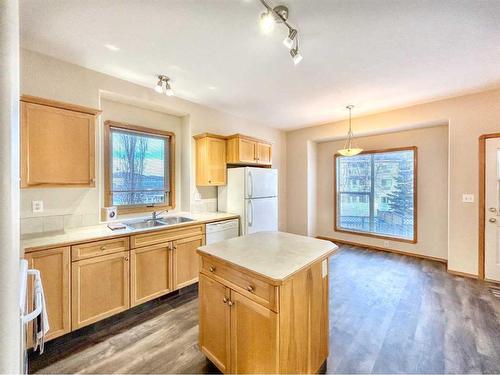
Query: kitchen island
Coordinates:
[264,303]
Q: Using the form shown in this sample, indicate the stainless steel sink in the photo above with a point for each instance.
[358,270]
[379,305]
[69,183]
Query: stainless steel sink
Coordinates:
[142,224]
[150,223]
[175,220]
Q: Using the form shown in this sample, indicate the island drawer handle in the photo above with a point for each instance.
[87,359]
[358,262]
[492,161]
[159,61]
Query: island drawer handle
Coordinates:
[212,269]
[230,303]
[103,247]
[250,288]
[224,300]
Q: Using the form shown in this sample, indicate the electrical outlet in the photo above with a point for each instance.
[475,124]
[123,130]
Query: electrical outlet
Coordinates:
[468,198]
[37,206]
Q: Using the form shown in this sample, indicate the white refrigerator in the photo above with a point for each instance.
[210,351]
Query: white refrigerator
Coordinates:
[251,193]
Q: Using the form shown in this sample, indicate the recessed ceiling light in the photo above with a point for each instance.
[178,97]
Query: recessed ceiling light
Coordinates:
[112,47]
[212,88]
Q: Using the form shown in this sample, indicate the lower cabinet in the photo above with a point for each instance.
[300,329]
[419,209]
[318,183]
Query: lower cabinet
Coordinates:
[100,288]
[237,334]
[150,272]
[186,261]
[215,322]
[54,266]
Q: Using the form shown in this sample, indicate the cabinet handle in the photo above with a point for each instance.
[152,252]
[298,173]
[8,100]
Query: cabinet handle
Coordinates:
[224,300]
[230,303]
[102,248]
[126,259]
[209,181]
[250,288]
[212,269]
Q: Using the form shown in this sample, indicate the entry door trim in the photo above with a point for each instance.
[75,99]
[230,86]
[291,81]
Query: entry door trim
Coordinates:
[482,199]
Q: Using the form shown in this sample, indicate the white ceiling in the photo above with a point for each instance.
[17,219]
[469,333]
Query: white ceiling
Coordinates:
[375,54]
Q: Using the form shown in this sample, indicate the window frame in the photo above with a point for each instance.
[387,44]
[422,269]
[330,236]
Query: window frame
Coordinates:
[127,209]
[336,195]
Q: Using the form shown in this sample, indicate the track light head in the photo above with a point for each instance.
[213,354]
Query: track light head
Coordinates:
[159,86]
[168,88]
[296,56]
[267,22]
[288,41]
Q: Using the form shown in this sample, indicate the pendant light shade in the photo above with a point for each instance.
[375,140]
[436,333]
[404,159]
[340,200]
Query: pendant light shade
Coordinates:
[350,148]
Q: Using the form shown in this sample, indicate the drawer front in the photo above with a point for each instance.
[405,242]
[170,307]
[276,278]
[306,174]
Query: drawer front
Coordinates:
[93,249]
[246,284]
[173,234]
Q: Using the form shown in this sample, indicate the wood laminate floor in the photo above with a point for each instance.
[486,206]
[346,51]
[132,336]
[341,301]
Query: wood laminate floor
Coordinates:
[388,314]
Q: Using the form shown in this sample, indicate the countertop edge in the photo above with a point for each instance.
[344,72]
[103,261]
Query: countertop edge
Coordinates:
[274,281]
[112,235]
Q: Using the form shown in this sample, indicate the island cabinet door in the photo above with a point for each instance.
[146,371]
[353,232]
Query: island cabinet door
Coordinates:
[215,322]
[254,337]
[151,275]
[186,261]
[99,288]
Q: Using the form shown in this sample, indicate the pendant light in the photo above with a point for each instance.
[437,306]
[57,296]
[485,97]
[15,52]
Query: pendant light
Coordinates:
[350,148]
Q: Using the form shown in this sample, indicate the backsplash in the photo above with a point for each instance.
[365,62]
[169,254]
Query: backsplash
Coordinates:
[55,223]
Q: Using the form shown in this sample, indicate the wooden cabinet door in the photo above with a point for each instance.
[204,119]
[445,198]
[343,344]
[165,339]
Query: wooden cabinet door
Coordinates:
[216,161]
[215,322]
[254,337]
[186,261]
[100,288]
[264,153]
[57,147]
[247,150]
[151,274]
[54,267]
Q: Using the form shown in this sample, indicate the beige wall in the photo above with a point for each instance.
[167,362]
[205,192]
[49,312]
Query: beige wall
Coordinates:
[468,117]
[47,77]
[432,188]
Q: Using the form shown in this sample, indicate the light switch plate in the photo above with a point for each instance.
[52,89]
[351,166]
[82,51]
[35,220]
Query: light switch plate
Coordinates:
[37,206]
[468,198]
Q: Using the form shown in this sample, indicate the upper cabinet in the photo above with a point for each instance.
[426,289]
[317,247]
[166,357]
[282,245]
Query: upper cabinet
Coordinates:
[210,160]
[57,144]
[248,151]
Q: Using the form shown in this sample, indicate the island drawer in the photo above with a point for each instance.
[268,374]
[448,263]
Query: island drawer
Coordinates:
[97,248]
[153,238]
[249,285]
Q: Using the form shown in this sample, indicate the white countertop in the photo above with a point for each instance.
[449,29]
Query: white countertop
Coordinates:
[275,255]
[96,232]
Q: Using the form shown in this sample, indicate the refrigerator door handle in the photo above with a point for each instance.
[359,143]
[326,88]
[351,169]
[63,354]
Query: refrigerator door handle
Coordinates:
[250,219]
[250,183]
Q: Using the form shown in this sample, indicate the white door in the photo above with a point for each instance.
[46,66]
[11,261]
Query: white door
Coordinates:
[261,182]
[492,210]
[261,215]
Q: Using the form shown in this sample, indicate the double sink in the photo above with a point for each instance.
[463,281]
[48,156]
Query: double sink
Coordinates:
[160,222]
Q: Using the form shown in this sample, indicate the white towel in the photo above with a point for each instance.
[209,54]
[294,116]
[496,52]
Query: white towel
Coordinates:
[40,323]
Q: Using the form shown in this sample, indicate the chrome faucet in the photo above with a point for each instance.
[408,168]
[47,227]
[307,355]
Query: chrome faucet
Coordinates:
[155,214]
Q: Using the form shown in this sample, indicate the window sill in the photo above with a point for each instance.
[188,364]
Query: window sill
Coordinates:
[373,235]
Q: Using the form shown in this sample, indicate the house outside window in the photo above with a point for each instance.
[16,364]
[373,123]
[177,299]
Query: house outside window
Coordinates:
[375,194]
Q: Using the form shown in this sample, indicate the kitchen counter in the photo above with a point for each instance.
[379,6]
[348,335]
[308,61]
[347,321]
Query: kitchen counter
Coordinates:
[96,232]
[274,255]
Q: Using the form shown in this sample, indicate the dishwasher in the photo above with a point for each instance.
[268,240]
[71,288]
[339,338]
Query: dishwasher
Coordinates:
[221,231]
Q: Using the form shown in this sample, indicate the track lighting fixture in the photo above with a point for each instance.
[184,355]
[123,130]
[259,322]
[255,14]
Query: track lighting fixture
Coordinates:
[167,90]
[279,14]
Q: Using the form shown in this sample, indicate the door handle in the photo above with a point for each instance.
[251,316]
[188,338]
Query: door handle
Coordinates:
[492,209]
[250,219]
[492,220]
[250,180]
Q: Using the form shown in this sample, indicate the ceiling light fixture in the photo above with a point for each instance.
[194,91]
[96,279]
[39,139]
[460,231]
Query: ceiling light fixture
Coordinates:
[167,90]
[279,14]
[350,148]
